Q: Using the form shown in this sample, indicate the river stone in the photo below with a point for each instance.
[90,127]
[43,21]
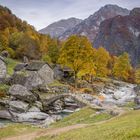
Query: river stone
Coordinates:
[4,114]
[32,117]
[38,105]
[137,100]
[47,121]
[21,92]
[3,70]
[18,106]
[137,107]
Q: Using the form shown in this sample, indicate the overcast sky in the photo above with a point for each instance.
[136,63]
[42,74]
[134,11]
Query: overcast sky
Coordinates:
[40,13]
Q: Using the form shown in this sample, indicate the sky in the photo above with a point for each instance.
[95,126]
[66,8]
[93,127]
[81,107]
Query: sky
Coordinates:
[41,13]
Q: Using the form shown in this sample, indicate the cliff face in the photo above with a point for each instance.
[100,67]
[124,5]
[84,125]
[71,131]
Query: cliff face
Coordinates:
[58,28]
[121,33]
[90,26]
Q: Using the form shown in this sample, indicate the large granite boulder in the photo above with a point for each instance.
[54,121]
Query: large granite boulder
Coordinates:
[20,92]
[23,106]
[33,117]
[4,114]
[3,70]
[18,106]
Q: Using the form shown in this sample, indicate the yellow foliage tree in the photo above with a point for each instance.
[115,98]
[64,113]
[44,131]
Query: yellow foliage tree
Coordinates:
[101,60]
[75,54]
[122,67]
[137,76]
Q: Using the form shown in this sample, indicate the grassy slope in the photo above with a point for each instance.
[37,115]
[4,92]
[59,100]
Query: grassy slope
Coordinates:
[84,116]
[16,129]
[11,63]
[125,127]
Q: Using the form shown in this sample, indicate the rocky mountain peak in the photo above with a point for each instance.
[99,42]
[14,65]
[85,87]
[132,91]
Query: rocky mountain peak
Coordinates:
[90,26]
[121,34]
[135,12]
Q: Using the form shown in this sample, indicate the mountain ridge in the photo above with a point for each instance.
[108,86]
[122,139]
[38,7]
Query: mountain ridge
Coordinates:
[59,27]
[121,34]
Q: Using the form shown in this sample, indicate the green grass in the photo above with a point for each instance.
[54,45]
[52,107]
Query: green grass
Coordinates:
[3,90]
[130,105]
[16,129]
[84,116]
[4,87]
[11,63]
[125,127]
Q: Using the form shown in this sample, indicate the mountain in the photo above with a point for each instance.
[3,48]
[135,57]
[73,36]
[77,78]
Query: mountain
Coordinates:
[121,33]
[56,29]
[90,26]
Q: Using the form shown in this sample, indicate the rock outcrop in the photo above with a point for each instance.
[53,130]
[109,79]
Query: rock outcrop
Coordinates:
[20,92]
[3,69]
[22,106]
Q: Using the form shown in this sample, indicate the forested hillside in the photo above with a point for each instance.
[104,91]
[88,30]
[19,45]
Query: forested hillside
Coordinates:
[20,39]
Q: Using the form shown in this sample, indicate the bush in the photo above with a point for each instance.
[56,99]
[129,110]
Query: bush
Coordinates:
[3,90]
[46,58]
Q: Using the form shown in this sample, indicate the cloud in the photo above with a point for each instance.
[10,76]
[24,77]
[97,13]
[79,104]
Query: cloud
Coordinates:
[40,13]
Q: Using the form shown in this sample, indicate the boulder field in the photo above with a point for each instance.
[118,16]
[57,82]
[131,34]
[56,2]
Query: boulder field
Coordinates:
[23,104]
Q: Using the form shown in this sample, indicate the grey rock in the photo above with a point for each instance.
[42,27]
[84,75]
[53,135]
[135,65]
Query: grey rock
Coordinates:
[135,12]
[119,93]
[137,107]
[3,69]
[49,120]
[32,117]
[137,100]
[34,109]
[137,90]
[38,105]
[4,102]
[21,92]
[18,106]
[56,117]
[4,114]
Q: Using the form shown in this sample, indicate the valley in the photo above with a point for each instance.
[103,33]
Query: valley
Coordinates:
[76,78]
